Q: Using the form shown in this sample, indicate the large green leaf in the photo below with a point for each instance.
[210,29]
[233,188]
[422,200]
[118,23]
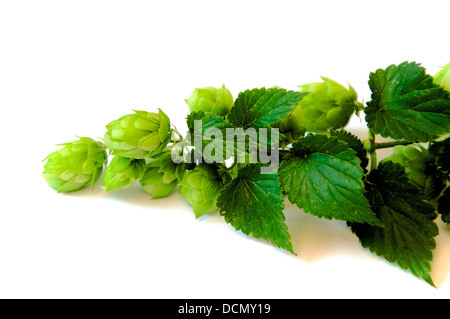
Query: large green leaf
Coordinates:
[406,104]
[263,107]
[407,237]
[323,176]
[253,203]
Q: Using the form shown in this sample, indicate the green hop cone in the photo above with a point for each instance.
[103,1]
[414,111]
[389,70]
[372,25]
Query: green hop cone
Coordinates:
[123,172]
[217,101]
[201,188]
[76,165]
[138,135]
[420,167]
[442,78]
[292,126]
[162,176]
[328,105]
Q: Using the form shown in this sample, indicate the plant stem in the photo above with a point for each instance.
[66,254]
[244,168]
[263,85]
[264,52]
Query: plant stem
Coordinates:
[372,151]
[390,144]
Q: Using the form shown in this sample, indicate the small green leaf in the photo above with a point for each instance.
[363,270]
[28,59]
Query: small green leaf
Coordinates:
[253,203]
[408,235]
[262,107]
[406,104]
[322,175]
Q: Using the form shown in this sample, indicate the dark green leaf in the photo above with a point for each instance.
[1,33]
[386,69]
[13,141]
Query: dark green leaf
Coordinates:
[253,203]
[354,143]
[407,105]
[441,153]
[444,206]
[408,235]
[322,175]
[262,107]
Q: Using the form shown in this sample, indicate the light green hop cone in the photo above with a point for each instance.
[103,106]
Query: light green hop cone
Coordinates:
[442,78]
[201,187]
[161,176]
[123,172]
[328,105]
[292,126]
[76,165]
[217,101]
[138,135]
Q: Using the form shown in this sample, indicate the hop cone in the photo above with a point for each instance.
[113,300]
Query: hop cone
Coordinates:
[122,172]
[138,135]
[200,187]
[217,101]
[76,165]
[328,105]
[292,126]
[161,176]
[442,78]
[419,165]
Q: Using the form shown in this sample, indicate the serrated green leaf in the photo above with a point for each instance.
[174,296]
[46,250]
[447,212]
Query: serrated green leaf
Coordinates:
[323,177]
[210,135]
[262,107]
[253,203]
[354,143]
[407,105]
[408,235]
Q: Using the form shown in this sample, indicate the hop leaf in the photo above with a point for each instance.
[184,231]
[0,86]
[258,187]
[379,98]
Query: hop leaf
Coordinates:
[201,187]
[123,172]
[328,105]
[323,176]
[76,165]
[407,105]
[139,135]
[407,237]
[253,203]
[442,78]
[216,101]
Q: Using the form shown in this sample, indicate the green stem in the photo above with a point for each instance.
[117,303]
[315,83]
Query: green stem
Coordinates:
[378,146]
[372,151]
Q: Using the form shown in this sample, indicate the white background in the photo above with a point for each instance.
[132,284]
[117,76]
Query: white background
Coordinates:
[69,67]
